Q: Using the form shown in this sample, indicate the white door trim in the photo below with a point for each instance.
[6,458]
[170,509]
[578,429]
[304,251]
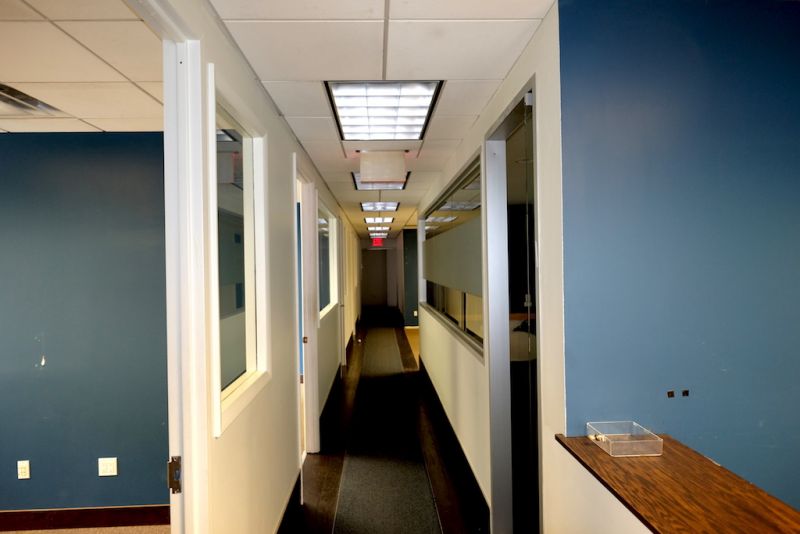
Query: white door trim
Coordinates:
[186,310]
[310,243]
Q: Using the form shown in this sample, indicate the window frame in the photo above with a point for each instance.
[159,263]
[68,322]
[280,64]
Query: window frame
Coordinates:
[230,402]
[333,276]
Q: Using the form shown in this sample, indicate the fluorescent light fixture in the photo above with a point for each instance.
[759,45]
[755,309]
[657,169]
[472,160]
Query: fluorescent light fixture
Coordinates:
[379,206]
[378,186]
[378,228]
[429,228]
[379,220]
[384,235]
[322,221]
[382,111]
[459,206]
[441,220]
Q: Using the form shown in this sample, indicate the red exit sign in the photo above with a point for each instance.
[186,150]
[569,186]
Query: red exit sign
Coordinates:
[377,241]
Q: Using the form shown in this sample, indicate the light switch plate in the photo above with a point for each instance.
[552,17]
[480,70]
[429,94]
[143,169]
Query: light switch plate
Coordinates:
[23,469]
[107,467]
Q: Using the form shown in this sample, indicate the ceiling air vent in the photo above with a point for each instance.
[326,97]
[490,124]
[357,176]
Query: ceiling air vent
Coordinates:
[15,103]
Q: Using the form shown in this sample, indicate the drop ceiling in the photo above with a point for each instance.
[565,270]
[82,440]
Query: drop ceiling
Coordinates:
[100,65]
[95,61]
[296,45]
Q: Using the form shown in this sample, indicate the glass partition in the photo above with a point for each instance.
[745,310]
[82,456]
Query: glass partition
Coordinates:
[324,234]
[234,242]
[452,258]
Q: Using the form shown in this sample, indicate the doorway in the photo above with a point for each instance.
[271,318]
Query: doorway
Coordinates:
[512,179]
[374,279]
[300,326]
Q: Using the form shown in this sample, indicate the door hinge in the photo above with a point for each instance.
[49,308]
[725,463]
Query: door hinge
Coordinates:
[174,474]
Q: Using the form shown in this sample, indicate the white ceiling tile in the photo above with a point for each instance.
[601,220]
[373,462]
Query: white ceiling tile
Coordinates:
[469,9]
[95,100]
[466,50]
[434,155]
[45,125]
[312,50]
[338,177]
[43,53]
[16,10]
[314,128]
[328,156]
[421,180]
[305,10]
[129,125]
[156,89]
[300,99]
[84,9]
[129,46]
[465,97]
[448,127]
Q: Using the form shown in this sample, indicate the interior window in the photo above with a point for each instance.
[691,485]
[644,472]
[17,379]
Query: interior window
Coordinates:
[235,246]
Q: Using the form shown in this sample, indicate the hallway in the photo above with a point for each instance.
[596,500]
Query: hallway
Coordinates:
[388,461]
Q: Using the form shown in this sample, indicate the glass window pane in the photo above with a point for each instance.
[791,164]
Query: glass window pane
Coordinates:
[234,192]
[474,315]
[324,260]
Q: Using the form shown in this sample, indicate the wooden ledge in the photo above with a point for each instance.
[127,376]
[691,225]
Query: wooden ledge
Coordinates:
[683,491]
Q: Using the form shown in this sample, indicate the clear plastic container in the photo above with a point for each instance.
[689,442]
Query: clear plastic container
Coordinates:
[624,438]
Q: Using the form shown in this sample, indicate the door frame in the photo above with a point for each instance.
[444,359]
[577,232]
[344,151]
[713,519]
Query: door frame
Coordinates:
[308,227]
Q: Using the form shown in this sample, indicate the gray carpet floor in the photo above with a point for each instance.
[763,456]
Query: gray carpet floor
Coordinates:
[385,488]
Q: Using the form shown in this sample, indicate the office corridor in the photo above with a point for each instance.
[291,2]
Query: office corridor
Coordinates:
[389,461]
[384,485]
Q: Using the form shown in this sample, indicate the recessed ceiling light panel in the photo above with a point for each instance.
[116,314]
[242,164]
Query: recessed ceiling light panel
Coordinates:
[378,228]
[383,235]
[379,206]
[382,111]
[459,206]
[379,220]
[441,220]
[377,186]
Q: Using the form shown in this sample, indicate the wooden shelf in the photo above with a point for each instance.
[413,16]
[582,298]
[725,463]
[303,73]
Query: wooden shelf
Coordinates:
[683,491]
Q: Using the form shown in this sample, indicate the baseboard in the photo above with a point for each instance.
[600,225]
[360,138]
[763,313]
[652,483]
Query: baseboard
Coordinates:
[125,516]
[460,502]
[330,417]
[293,514]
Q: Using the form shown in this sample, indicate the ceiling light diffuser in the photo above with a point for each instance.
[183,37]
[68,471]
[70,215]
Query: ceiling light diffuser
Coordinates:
[379,220]
[459,206]
[441,220]
[379,234]
[382,111]
[379,206]
[378,228]
[378,186]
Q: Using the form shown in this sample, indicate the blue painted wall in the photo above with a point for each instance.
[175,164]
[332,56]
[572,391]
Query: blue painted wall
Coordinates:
[83,283]
[410,277]
[681,152]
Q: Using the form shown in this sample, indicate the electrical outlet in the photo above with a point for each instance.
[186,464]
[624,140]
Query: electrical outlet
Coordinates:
[415,313]
[107,467]
[23,469]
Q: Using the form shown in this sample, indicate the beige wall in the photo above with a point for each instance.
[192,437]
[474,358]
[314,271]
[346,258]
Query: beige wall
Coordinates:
[461,379]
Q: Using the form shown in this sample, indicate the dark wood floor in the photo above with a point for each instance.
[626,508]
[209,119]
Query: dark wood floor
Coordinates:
[459,501]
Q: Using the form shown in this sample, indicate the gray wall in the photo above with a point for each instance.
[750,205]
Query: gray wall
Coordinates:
[82,270]
[411,277]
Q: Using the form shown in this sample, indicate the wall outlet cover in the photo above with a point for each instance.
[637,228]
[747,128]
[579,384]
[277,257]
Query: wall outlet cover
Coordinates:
[23,469]
[107,467]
